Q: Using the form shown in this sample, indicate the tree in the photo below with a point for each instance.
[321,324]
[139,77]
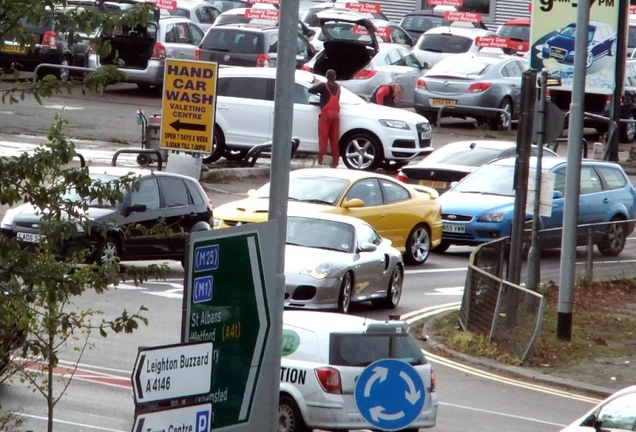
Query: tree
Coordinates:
[37,317]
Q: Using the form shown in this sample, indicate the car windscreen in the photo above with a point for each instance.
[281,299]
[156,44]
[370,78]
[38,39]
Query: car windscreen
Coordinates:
[234,41]
[422,23]
[362,349]
[451,155]
[346,31]
[457,67]
[314,189]
[180,12]
[71,195]
[320,233]
[445,43]
[489,180]
[514,32]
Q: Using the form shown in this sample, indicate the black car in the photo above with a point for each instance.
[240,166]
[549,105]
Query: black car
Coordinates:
[51,46]
[248,45]
[417,22]
[121,232]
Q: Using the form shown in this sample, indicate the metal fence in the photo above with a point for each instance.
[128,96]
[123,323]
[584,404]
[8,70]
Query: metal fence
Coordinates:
[511,315]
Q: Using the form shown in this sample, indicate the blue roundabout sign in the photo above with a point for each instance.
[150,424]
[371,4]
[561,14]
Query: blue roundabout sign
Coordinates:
[390,394]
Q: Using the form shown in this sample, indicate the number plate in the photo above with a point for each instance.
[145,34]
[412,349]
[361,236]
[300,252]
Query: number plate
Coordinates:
[29,237]
[434,184]
[453,228]
[12,48]
[443,102]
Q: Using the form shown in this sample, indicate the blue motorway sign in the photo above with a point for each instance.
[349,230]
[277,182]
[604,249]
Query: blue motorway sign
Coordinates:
[202,289]
[390,394]
[206,258]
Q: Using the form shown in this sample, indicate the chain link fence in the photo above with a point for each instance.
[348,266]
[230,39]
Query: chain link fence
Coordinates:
[511,315]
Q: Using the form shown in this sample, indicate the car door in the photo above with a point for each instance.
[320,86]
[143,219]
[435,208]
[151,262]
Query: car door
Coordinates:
[245,108]
[205,15]
[139,241]
[305,125]
[594,201]
[408,72]
[180,213]
[511,73]
[369,267]
[374,212]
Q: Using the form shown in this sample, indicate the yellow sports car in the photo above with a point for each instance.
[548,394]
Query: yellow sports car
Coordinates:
[408,215]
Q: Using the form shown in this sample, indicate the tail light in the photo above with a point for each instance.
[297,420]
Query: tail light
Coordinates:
[478,87]
[365,74]
[547,94]
[433,387]
[329,379]
[401,177]
[420,84]
[306,67]
[158,52]
[262,60]
[197,53]
[49,39]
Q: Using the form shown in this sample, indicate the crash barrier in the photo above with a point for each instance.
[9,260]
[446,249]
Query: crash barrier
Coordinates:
[266,148]
[554,145]
[509,315]
[488,303]
[57,66]
[477,109]
[149,152]
[611,126]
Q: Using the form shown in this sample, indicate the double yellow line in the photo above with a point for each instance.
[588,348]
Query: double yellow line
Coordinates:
[428,312]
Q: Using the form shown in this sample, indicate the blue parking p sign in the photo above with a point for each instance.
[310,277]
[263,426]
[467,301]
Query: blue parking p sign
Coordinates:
[390,394]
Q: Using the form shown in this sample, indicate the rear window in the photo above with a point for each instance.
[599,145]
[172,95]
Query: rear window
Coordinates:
[364,349]
[240,42]
[474,67]
[474,157]
[344,31]
[231,19]
[422,23]
[46,23]
[518,33]
[445,43]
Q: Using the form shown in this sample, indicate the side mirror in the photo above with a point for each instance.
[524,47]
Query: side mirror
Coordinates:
[557,194]
[314,99]
[136,208]
[353,203]
[426,65]
[367,247]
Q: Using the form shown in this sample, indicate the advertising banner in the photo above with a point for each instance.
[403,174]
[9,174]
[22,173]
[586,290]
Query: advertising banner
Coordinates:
[552,37]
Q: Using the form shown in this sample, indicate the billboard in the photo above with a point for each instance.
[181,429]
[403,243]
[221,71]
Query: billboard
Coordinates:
[552,38]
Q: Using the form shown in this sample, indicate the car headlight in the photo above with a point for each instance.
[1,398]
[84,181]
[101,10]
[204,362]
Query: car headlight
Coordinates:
[492,217]
[395,124]
[7,221]
[216,222]
[320,271]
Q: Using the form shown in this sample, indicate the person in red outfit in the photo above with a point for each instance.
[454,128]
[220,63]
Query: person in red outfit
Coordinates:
[329,119]
[387,94]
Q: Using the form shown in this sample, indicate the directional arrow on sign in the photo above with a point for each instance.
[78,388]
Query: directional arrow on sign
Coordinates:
[178,125]
[172,371]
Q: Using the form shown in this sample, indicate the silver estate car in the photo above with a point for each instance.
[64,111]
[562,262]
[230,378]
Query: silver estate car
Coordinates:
[144,49]
[471,82]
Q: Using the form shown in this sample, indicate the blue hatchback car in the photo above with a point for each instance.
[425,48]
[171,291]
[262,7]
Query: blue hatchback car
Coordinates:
[601,41]
[480,207]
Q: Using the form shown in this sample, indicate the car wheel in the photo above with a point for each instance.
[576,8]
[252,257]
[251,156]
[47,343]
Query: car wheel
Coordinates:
[143,159]
[394,291]
[589,60]
[418,245]
[234,155]
[442,247]
[502,122]
[218,146]
[289,417]
[107,252]
[613,241]
[627,130]
[344,299]
[64,74]
[362,152]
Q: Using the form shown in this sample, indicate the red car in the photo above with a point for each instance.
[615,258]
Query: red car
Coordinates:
[517,30]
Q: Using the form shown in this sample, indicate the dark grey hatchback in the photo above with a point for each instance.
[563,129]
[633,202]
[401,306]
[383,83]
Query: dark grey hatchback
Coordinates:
[124,231]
